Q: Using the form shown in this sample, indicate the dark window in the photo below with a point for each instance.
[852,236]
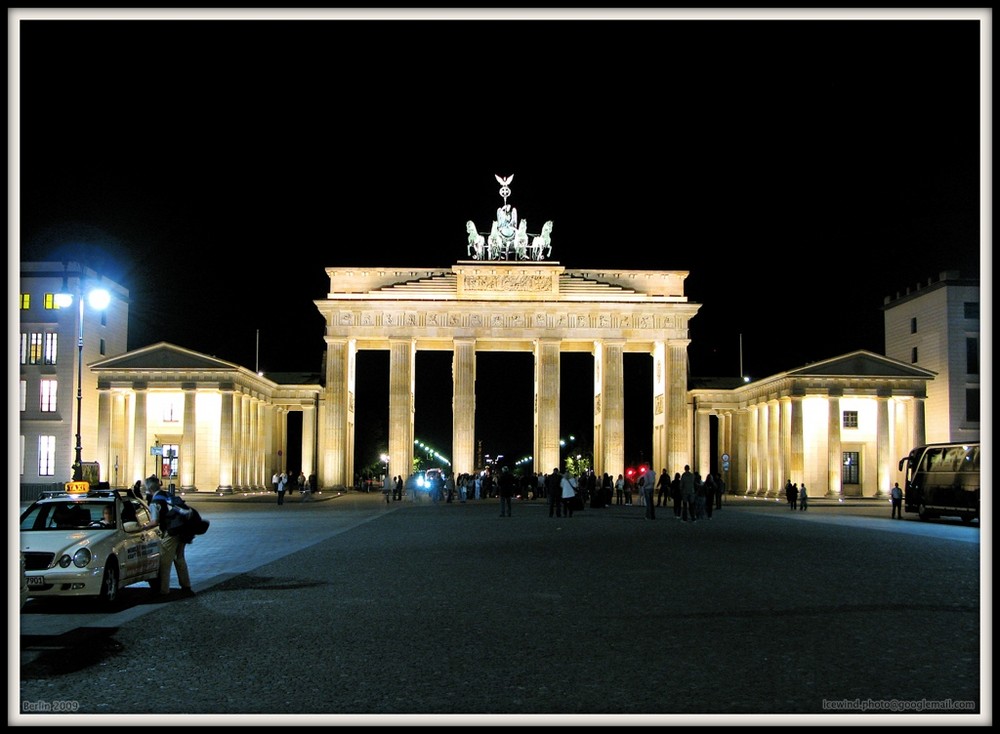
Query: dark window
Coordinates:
[972,355]
[972,309]
[972,404]
[852,467]
[850,419]
[913,355]
[913,325]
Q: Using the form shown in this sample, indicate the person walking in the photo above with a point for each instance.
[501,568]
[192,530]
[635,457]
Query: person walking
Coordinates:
[398,490]
[790,493]
[620,490]
[281,485]
[506,482]
[710,490]
[803,497]
[896,495]
[274,481]
[567,491]
[554,493]
[687,494]
[663,487]
[648,489]
[675,494]
[171,547]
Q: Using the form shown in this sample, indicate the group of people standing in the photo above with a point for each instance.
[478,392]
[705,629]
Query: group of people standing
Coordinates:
[796,496]
[288,482]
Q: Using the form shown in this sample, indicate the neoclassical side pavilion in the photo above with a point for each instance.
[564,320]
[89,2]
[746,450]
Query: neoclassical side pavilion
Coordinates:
[536,307]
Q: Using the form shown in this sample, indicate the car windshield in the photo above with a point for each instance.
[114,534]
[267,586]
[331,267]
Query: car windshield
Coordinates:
[68,515]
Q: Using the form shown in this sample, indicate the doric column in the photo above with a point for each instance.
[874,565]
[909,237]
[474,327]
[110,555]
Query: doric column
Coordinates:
[660,432]
[463,424]
[703,432]
[253,447]
[883,469]
[226,439]
[547,392]
[741,451]
[774,471]
[246,416]
[678,445]
[612,455]
[835,460]
[140,448]
[335,461]
[784,458]
[752,478]
[189,442]
[104,433]
[402,378]
[919,425]
[797,466]
[308,442]
[763,477]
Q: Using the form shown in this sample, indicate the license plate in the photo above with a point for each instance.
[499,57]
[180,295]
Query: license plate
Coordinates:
[36,580]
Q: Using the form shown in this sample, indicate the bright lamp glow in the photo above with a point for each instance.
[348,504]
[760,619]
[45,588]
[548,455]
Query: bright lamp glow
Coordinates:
[99,299]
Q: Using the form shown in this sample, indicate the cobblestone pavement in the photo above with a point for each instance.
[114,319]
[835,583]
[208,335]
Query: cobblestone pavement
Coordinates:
[348,609]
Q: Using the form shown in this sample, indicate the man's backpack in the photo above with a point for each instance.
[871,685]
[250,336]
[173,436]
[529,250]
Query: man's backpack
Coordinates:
[182,520]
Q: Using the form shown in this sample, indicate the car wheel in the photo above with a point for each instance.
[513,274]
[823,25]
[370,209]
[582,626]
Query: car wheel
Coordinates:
[109,584]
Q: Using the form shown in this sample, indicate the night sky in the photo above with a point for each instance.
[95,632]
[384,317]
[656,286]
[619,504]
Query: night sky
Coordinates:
[800,170]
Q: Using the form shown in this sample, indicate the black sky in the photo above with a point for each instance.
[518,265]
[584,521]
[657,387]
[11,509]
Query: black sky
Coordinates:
[800,170]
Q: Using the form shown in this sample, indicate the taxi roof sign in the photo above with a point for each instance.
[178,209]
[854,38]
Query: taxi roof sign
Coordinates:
[77,487]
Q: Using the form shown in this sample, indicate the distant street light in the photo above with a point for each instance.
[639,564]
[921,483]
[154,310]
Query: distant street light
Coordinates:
[99,300]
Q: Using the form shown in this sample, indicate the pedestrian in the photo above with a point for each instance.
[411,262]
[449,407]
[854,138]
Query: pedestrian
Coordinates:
[687,494]
[803,497]
[171,547]
[152,484]
[282,482]
[449,488]
[648,489]
[398,496]
[554,492]
[506,482]
[790,494]
[301,481]
[896,494]
[699,496]
[629,485]
[275,478]
[620,490]
[710,490]
[663,485]
[387,488]
[567,491]
[675,494]
[137,489]
[721,490]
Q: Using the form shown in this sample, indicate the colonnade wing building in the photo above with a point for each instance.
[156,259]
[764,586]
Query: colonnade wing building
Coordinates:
[840,425]
[541,308]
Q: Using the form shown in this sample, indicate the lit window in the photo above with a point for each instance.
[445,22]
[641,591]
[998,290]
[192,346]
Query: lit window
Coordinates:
[48,390]
[25,301]
[51,347]
[35,349]
[46,456]
[168,469]
[24,348]
[24,395]
[850,419]
[852,468]
[51,302]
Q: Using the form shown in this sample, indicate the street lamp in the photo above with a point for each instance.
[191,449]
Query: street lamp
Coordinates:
[99,300]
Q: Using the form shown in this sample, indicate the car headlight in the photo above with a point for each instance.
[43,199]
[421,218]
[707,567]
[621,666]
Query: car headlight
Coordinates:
[80,559]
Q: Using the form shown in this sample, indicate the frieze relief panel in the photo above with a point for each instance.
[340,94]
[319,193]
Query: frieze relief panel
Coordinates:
[507,282]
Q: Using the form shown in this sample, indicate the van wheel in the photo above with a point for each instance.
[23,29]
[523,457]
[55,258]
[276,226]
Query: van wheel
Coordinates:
[109,584]
[922,513]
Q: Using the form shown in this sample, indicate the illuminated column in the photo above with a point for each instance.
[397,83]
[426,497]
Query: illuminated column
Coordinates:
[741,451]
[402,377]
[763,478]
[797,466]
[835,460]
[270,458]
[784,457]
[119,448]
[308,441]
[919,426]
[244,442]
[678,447]
[703,432]
[612,456]
[226,439]
[253,446]
[753,480]
[140,449]
[339,353]
[883,470]
[463,380]
[775,480]
[188,453]
[660,455]
[547,391]
[104,433]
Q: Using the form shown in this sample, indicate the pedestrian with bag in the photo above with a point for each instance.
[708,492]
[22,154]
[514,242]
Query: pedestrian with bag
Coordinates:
[171,544]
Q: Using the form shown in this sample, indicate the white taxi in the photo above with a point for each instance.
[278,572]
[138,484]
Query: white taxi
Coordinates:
[87,542]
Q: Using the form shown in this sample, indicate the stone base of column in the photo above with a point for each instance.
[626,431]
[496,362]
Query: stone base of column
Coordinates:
[227,489]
